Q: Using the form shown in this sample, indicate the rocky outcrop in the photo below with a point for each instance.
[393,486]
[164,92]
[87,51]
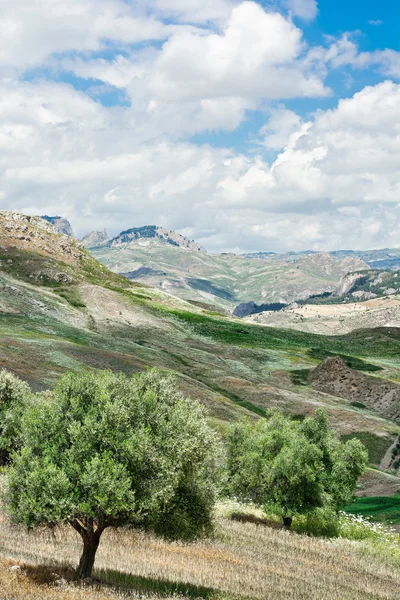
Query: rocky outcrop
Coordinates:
[334,377]
[369,284]
[37,235]
[245,310]
[360,295]
[60,224]
[151,233]
[95,239]
[348,283]
[20,219]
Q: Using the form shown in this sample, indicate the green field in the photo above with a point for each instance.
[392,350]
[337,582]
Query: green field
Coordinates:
[378,508]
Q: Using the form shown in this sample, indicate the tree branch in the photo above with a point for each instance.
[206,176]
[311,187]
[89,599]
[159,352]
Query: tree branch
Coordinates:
[78,527]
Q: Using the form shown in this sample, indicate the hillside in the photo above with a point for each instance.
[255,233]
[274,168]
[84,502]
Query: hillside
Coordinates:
[62,310]
[334,376]
[362,299]
[368,284]
[225,280]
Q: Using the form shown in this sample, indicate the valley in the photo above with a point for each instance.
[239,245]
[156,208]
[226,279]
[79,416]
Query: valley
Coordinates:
[224,280]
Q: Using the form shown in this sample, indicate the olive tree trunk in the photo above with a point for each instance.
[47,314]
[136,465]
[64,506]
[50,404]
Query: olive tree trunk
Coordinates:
[88,557]
[91,540]
[287,522]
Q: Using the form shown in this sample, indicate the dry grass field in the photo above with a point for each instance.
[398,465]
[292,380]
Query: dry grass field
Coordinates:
[244,560]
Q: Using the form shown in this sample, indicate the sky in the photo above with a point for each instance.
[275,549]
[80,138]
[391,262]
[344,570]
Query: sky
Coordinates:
[247,126]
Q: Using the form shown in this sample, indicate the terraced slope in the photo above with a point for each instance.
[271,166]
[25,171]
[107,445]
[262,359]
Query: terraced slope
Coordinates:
[62,310]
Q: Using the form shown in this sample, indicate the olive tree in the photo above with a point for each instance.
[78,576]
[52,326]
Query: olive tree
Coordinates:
[13,395]
[293,467]
[109,450]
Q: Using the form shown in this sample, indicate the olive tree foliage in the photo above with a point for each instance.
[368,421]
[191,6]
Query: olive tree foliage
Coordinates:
[109,450]
[14,393]
[293,467]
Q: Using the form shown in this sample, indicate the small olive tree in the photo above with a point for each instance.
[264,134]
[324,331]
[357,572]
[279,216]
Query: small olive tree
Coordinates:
[13,396]
[109,450]
[293,467]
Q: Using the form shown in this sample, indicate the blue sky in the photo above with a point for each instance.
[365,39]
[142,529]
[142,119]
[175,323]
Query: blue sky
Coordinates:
[245,125]
[369,23]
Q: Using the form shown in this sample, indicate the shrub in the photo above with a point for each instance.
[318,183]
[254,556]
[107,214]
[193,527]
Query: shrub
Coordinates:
[320,522]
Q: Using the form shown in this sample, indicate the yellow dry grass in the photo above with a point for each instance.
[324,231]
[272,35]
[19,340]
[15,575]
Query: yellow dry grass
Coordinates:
[244,560]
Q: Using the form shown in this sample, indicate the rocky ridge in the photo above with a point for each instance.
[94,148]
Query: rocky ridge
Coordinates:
[60,224]
[144,236]
[37,235]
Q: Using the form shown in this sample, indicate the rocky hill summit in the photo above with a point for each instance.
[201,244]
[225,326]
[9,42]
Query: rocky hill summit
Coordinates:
[95,239]
[17,219]
[334,377]
[60,224]
[145,236]
[34,234]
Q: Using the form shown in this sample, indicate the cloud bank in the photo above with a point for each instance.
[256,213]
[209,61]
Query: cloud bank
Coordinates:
[324,180]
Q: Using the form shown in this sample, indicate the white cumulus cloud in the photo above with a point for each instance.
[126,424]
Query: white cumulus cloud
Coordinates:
[331,178]
[336,182]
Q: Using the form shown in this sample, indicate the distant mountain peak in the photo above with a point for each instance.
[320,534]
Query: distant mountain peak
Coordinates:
[95,239]
[60,224]
[153,234]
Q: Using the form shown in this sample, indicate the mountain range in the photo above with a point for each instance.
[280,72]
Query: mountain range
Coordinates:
[243,284]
